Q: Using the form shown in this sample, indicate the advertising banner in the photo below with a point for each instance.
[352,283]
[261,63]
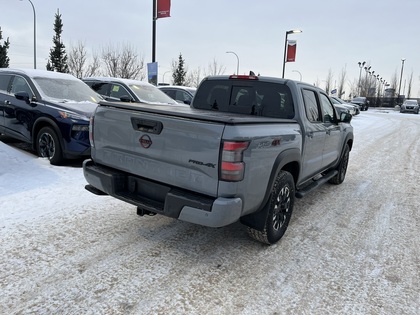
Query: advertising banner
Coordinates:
[163,8]
[152,72]
[291,51]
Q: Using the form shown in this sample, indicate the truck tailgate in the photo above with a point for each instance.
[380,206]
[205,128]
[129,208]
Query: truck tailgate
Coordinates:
[180,152]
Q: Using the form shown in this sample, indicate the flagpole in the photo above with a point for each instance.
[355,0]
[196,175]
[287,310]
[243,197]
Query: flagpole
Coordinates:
[154,32]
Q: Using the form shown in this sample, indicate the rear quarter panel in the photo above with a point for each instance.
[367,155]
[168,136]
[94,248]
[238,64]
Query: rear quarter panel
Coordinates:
[268,141]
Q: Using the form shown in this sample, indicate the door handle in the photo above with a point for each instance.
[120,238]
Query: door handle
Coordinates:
[310,134]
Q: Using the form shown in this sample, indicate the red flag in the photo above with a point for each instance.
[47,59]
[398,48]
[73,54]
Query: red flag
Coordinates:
[163,8]
[291,51]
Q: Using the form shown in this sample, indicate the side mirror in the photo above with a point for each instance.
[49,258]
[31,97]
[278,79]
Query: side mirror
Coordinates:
[126,98]
[23,96]
[345,117]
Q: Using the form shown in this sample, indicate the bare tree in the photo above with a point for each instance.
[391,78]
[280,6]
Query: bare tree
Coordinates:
[131,65]
[328,81]
[94,68]
[393,83]
[410,82]
[341,81]
[111,58]
[193,78]
[215,69]
[123,63]
[77,62]
[354,88]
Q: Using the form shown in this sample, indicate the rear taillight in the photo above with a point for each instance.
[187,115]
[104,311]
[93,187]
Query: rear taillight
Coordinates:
[232,166]
[92,144]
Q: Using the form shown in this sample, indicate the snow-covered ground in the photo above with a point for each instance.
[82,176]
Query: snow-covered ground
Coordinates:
[349,249]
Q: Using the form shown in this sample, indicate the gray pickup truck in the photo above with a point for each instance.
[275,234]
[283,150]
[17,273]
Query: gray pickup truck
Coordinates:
[244,149]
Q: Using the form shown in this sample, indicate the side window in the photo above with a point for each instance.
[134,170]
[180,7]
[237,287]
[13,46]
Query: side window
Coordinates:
[118,90]
[311,105]
[100,87]
[327,109]
[4,82]
[183,97]
[170,93]
[19,84]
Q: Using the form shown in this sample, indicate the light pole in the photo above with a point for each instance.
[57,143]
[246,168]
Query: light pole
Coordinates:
[237,58]
[402,69]
[367,69]
[285,47]
[300,74]
[163,78]
[33,8]
[361,64]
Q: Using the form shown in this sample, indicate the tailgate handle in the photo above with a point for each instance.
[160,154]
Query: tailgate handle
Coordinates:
[145,125]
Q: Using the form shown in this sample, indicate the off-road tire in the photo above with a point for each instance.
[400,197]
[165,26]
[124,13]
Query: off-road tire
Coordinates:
[342,167]
[48,145]
[280,207]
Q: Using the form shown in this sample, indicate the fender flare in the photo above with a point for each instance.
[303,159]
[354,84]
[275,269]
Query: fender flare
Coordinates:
[256,220]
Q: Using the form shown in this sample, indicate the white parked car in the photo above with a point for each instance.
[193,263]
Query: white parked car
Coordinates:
[410,106]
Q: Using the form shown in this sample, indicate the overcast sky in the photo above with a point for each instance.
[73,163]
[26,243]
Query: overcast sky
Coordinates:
[335,34]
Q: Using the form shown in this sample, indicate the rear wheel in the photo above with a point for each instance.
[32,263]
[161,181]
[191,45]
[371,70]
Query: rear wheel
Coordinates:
[48,145]
[280,207]
[342,167]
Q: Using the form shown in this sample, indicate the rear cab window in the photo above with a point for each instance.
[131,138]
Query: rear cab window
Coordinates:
[251,97]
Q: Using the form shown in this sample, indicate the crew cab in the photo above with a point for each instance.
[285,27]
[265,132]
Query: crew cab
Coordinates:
[244,149]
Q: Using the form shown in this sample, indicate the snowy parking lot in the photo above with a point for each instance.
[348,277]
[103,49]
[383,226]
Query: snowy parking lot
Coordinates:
[350,249]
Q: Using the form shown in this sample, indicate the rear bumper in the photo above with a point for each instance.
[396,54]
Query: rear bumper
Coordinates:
[161,198]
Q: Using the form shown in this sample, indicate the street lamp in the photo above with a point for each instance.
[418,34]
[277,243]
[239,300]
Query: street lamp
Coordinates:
[237,58]
[33,8]
[402,69]
[361,64]
[163,78]
[300,74]
[367,69]
[285,47]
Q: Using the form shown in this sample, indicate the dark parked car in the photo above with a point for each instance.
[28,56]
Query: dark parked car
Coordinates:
[48,109]
[182,94]
[362,102]
[127,90]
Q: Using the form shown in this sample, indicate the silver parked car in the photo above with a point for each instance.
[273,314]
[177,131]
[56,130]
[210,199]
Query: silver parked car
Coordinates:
[182,94]
[410,106]
[354,109]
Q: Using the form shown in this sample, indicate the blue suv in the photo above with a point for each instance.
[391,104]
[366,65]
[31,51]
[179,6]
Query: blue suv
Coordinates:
[49,110]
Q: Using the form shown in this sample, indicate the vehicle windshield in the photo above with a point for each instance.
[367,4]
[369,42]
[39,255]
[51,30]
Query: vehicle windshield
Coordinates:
[66,90]
[151,94]
[358,99]
[191,90]
[411,102]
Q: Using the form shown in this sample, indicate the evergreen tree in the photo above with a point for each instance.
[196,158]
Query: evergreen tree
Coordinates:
[4,59]
[58,56]
[179,74]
